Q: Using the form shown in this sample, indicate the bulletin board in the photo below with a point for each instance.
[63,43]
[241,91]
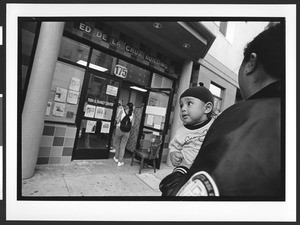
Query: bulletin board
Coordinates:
[65,93]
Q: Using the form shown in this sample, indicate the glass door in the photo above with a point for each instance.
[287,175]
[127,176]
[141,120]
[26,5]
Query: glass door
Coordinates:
[157,115]
[95,124]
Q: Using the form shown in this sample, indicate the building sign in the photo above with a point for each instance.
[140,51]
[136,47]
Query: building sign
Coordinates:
[99,35]
[120,71]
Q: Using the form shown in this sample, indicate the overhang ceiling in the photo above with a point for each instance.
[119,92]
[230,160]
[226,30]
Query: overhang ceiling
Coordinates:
[169,40]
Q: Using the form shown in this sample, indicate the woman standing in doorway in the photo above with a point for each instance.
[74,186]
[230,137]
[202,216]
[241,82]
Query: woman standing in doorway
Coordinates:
[119,110]
[122,132]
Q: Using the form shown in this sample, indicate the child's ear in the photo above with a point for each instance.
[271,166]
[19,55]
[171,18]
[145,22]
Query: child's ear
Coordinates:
[208,107]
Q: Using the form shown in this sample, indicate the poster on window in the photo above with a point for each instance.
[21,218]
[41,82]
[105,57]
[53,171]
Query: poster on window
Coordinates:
[108,114]
[105,127]
[90,111]
[90,126]
[111,90]
[60,94]
[74,84]
[72,97]
[100,111]
[59,109]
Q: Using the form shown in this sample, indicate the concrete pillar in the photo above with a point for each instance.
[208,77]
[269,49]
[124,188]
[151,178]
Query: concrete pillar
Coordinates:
[184,83]
[38,92]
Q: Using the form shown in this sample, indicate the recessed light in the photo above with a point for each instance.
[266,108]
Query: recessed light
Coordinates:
[157,25]
[186,45]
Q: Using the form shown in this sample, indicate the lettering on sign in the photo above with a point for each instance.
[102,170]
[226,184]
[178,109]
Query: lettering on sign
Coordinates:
[155,61]
[120,71]
[115,42]
[86,28]
[102,36]
[133,50]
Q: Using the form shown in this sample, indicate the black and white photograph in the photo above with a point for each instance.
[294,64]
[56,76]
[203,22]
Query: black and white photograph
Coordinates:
[199,120]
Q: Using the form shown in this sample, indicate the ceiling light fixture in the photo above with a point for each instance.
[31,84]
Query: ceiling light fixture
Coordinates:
[138,88]
[93,66]
[157,25]
[186,45]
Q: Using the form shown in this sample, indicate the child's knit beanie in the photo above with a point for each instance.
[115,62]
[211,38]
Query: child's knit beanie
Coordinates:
[199,92]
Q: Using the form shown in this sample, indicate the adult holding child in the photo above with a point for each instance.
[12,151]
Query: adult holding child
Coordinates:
[241,153]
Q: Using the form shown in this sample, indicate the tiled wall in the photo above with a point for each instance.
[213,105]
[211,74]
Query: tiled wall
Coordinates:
[57,144]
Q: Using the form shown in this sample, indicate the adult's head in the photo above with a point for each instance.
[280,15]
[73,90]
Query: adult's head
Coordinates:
[263,61]
[129,108]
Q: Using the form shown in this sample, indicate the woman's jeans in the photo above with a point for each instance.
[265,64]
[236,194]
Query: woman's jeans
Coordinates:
[120,141]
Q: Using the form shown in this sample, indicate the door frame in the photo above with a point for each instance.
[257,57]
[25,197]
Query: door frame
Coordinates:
[164,131]
[76,155]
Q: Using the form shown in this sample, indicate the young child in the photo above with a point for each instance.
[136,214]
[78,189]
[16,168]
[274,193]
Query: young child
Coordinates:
[196,106]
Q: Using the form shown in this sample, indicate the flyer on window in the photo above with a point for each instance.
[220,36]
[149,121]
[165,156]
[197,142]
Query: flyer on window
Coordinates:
[72,97]
[100,112]
[74,84]
[111,90]
[59,109]
[105,127]
[108,114]
[60,94]
[90,111]
[90,126]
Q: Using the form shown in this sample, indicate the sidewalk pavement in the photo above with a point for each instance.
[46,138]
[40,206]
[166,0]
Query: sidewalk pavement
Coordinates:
[94,178]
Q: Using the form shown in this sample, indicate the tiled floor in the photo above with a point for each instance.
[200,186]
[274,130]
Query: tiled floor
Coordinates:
[93,178]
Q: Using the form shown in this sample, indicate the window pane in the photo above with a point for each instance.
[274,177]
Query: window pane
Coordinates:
[217,105]
[156,110]
[102,62]
[64,98]
[102,91]
[215,90]
[136,74]
[28,35]
[159,81]
[74,51]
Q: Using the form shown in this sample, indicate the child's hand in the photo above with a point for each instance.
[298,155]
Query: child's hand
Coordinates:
[176,158]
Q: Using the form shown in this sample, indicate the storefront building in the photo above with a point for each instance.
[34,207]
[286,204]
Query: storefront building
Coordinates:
[76,72]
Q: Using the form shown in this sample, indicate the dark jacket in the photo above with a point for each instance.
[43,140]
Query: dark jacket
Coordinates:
[242,149]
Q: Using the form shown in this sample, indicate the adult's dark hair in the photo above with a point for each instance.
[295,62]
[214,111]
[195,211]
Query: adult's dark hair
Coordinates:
[270,49]
[130,105]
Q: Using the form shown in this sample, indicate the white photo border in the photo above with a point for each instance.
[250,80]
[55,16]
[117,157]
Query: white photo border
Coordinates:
[106,210]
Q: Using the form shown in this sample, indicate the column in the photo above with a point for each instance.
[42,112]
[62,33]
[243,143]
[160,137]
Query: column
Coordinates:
[37,93]
[184,83]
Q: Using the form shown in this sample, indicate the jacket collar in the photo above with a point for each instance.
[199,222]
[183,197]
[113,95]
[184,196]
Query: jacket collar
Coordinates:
[272,90]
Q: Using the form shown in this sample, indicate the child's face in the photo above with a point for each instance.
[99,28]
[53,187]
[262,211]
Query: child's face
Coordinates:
[193,110]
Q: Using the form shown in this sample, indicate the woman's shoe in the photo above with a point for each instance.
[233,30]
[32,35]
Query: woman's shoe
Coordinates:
[116,160]
[120,163]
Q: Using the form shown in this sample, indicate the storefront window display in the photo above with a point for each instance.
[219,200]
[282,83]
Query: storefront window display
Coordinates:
[65,93]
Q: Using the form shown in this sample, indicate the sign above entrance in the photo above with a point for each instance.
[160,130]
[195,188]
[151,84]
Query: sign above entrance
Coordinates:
[117,41]
[120,71]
